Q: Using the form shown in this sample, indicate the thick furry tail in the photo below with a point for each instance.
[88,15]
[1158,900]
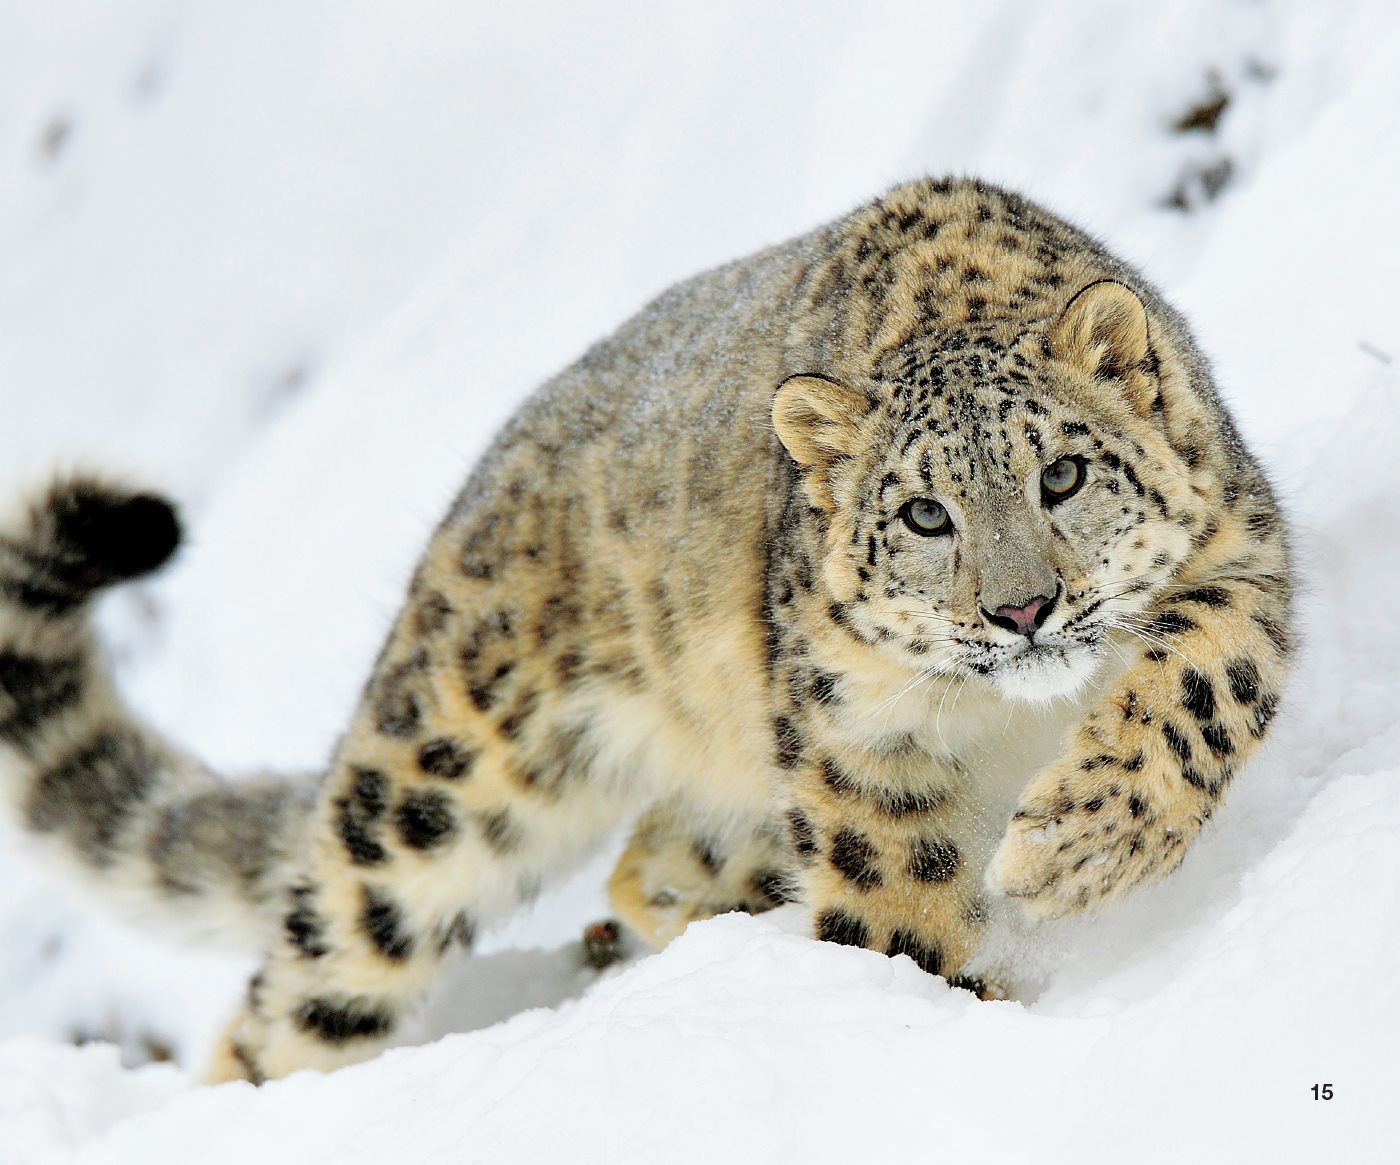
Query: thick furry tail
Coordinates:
[148,826]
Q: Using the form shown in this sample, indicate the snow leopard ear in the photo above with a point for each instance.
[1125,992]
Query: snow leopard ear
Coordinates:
[817,419]
[1103,333]
[818,422]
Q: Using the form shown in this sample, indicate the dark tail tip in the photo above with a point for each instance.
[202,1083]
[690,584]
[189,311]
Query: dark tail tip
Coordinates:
[103,534]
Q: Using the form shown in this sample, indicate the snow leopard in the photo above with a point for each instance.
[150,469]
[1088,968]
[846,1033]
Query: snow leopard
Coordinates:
[912,571]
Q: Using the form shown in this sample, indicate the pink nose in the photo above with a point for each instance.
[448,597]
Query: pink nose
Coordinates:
[1026,620]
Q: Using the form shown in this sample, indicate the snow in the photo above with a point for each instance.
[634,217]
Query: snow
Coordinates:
[297,263]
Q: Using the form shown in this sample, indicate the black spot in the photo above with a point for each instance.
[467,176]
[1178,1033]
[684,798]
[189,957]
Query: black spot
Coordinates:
[1207,596]
[855,857]
[1262,523]
[1264,711]
[399,716]
[1103,760]
[1176,740]
[341,1021]
[1217,738]
[1093,805]
[1197,694]
[567,667]
[771,888]
[445,757]
[382,919]
[459,931]
[305,927]
[909,802]
[1276,633]
[398,710]
[1169,623]
[823,688]
[33,690]
[48,599]
[788,742]
[358,816]
[1243,681]
[512,723]
[836,926]
[804,842]
[371,790]
[484,692]
[424,819]
[433,613]
[925,954]
[932,859]
[1136,805]
[91,793]
[838,780]
[978,987]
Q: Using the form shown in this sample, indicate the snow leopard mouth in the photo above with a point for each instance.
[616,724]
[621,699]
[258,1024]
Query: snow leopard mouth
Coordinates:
[1042,671]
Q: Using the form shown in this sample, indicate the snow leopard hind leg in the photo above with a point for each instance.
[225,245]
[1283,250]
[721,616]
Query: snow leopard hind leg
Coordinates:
[408,858]
[478,765]
[467,778]
[683,866]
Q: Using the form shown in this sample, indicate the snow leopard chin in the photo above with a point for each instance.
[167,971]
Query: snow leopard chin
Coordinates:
[1043,674]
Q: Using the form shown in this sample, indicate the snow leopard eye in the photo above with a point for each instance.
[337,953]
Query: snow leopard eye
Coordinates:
[927,517]
[1062,480]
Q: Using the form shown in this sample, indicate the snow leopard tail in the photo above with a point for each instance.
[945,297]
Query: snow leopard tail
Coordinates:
[147,826]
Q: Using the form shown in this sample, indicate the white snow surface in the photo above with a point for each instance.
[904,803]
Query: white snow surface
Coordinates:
[296,262]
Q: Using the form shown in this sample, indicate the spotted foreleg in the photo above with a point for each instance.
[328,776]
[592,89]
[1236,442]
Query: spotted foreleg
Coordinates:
[1148,767]
[885,860]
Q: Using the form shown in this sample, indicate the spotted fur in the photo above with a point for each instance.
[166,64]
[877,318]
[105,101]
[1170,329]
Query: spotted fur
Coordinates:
[688,582]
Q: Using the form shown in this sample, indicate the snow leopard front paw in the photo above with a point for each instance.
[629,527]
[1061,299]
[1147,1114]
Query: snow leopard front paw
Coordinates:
[1076,841]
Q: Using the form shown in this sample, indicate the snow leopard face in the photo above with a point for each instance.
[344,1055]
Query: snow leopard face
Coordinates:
[999,512]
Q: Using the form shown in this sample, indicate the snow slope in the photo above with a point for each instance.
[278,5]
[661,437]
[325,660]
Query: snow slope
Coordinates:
[296,263]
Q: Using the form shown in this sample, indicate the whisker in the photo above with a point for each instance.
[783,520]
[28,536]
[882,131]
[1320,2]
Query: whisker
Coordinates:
[938,716]
[920,677]
[1153,638]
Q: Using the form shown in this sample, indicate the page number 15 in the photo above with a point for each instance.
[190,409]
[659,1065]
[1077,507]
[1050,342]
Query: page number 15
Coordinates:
[1322,1091]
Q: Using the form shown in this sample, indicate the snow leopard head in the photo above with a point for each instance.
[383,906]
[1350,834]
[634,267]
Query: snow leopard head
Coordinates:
[998,499]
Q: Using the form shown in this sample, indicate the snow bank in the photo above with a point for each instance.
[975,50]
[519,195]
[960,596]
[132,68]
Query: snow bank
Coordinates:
[299,264]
